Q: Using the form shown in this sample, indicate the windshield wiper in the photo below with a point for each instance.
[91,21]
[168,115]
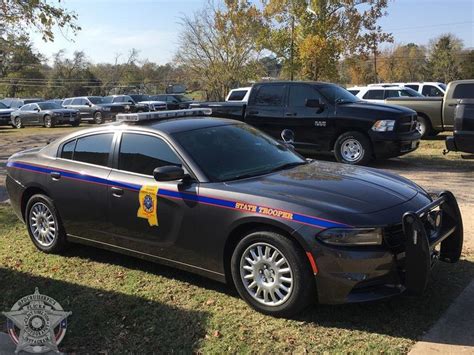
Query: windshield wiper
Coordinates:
[288,166]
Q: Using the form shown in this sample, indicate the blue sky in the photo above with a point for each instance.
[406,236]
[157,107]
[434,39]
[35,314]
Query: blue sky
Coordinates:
[110,27]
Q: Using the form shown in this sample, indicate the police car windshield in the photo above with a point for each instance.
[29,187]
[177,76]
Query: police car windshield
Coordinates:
[233,152]
[49,106]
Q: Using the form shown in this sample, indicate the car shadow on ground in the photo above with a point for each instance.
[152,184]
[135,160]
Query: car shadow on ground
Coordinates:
[402,316]
[109,320]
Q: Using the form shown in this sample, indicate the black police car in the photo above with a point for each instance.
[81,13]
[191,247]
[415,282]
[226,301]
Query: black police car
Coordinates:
[220,198]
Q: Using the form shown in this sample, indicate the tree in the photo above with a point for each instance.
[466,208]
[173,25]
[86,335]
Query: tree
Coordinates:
[72,76]
[18,15]
[324,31]
[20,67]
[218,46]
[445,58]
[467,64]
[403,63]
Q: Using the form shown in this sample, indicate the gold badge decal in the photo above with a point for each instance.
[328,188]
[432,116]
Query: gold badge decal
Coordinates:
[148,204]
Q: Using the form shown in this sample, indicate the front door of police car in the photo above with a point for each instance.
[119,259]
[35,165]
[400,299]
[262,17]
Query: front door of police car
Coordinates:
[146,216]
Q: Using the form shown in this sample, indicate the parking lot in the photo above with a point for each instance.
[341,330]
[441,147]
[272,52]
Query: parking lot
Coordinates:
[145,307]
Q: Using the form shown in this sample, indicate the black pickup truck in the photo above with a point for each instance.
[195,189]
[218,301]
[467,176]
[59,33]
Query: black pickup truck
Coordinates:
[324,117]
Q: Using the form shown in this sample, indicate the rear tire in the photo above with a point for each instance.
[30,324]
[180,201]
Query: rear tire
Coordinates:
[424,126]
[98,119]
[353,148]
[270,273]
[44,224]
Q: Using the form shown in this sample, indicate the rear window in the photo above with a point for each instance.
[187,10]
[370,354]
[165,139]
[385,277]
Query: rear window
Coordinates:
[464,91]
[237,95]
[354,92]
[374,95]
[94,149]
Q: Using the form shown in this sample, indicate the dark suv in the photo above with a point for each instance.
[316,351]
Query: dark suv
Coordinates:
[173,101]
[17,103]
[92,108]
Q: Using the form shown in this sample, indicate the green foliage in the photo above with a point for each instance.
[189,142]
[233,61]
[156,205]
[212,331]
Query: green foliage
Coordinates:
[445,58]
[18,15]
[219,46]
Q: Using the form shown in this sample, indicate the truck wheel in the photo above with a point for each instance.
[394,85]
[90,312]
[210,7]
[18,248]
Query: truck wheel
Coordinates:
[424,126]
[44,225]
[98,117]
[48,121]
[270,274]
[353,148]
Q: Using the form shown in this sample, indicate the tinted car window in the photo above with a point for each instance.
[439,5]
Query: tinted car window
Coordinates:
[171,99]
[430,90]
[464,91]
[49,106]
[68,150]
[94,149]
[67,102]
[142,154]
[414,87]
[3,106]
[76,101]
[354,92]
[374,95]
[237,95]
[16,104]
[299,94]
[96,100]
[270,95]
[26,108]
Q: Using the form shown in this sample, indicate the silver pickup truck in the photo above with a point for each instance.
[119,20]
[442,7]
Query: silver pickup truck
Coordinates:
[436,114]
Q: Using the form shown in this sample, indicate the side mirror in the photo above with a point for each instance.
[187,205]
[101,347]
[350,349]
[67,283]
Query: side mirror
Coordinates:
[315,103]
[288,136]
[168,173]
[37,109]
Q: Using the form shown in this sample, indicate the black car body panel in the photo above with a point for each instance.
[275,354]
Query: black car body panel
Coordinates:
[198,220]
[463,136]
[316,129]
[5,115]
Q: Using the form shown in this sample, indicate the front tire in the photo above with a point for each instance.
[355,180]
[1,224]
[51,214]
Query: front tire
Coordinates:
[44,225]
[270,274]
[98,119]
[353,148]
[424,126]
[16,122]
[48,121]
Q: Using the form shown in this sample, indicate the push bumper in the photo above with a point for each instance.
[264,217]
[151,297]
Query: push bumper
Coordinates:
[358,274]
[393,144]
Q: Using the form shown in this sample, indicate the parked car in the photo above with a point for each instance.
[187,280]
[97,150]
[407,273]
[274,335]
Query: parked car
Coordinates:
[378,94]
[93,108]
[239,94]
[47,114]
[325,117]
[145,104]
[430,89]
[5,115]
[17,103]
[221,199]
[463,138]
[436,114]
[56,101]
[173,101]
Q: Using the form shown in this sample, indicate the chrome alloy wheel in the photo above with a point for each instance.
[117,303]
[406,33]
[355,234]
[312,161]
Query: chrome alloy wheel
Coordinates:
[352,150]
[42,224]
[266,274]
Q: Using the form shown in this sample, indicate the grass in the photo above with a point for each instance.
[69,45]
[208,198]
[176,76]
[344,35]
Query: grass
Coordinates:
[124,304]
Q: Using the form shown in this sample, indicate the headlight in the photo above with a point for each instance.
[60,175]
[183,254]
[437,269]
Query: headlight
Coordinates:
[127,107]
[57,114]
[383,126]
[351,236]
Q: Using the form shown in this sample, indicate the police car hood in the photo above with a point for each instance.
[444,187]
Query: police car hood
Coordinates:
[332,187]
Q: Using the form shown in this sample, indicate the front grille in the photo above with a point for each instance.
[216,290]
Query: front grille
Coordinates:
[407,124]
[394,237]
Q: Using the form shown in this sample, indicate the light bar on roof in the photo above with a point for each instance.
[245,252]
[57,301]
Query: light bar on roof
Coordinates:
[162,115]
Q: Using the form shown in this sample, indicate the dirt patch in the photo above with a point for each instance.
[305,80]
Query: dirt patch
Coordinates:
[426,166]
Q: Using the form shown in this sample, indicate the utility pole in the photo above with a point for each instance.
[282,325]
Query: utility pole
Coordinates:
[292,45]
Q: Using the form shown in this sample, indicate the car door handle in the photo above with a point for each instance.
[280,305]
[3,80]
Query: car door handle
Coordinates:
[55,175]
[116,191]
